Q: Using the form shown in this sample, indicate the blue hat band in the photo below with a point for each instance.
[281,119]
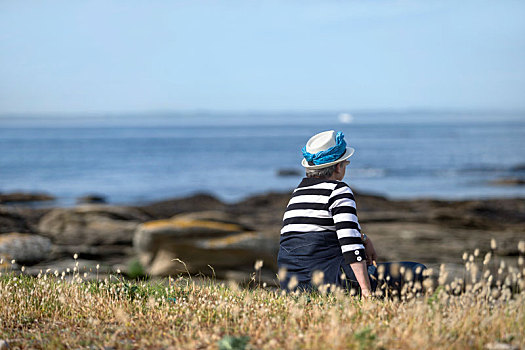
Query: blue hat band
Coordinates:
[327,156]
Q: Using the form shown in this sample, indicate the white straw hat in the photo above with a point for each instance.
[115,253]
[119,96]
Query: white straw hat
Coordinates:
[321,142]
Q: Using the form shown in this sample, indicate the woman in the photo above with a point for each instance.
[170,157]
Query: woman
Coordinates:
[321,231]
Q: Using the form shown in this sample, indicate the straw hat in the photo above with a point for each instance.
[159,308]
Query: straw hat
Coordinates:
[322,142]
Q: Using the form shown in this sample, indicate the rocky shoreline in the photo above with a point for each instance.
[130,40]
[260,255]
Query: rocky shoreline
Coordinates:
[202,235]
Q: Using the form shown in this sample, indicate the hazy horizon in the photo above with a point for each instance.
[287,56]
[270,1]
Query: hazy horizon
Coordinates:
[234,119]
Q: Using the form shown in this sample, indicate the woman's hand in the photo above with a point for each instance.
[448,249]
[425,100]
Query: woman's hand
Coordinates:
[371,255]
[361,274]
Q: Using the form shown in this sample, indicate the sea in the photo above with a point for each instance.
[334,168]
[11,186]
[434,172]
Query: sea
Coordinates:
[136,158]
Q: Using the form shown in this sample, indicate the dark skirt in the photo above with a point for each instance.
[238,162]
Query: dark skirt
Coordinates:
[302,255]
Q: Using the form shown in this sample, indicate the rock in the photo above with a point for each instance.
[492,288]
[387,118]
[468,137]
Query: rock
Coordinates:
[98,252]
[200,240]
[20,197]
[153,234]
[11,221]
[518,167]
[195,203]
[62,265]
[289,172]
[91,224]
[92,198]
[24,248]
[512,181]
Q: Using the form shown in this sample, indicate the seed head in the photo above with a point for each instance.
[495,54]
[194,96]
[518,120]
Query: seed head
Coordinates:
[258,265]
[318,278]
[487,258]
[75,256]
[282,273]
[293,283]
[493,245]
[521,247]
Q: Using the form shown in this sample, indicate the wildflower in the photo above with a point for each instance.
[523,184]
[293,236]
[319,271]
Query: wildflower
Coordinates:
[487,258]
[13,262]
[282,273]
[493,245]
[258,265]
[75,256]
[318,278]
[23,268]
[521,247]
[293,282]
[476,252]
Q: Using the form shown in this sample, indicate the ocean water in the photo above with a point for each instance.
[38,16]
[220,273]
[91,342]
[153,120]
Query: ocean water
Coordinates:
[141,158]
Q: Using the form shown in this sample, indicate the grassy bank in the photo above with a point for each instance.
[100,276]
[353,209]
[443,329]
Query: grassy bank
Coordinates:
[70,311]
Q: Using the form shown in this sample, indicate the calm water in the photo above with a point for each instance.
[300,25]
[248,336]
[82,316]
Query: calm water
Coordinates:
[143,158]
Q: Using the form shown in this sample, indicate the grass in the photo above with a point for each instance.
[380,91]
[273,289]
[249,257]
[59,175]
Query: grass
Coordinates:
[72,311]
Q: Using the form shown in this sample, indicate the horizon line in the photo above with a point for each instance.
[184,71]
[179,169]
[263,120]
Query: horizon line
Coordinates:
[187,112]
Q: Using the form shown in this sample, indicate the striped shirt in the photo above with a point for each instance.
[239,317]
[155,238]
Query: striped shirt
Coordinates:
[319,205]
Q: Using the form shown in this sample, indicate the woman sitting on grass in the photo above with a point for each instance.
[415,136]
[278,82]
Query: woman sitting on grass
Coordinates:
[321,231]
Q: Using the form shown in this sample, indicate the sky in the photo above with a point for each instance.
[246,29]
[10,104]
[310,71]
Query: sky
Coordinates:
[138,56]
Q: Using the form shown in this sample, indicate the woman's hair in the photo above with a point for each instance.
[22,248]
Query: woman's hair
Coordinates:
[321,173]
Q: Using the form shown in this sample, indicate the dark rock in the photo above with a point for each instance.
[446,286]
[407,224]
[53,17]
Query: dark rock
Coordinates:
[289,172]
[92,198]
[11,221]
[513,181]
[168,208]
[24,248]
[91,224]
[99,252]
[22,197]
[62,265]
[519,167]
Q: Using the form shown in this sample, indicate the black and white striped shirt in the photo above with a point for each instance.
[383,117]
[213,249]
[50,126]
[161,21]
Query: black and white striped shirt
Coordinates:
[319,205]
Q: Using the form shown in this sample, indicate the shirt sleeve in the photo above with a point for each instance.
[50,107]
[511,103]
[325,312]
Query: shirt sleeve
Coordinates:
[341,205]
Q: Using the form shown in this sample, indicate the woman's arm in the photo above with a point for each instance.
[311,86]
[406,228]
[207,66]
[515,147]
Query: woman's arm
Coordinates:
[361,273]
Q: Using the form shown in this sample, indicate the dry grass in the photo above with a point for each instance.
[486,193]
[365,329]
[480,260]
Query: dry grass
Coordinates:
[70,311]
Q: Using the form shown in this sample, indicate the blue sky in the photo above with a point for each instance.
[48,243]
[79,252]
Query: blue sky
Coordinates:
[131,56]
